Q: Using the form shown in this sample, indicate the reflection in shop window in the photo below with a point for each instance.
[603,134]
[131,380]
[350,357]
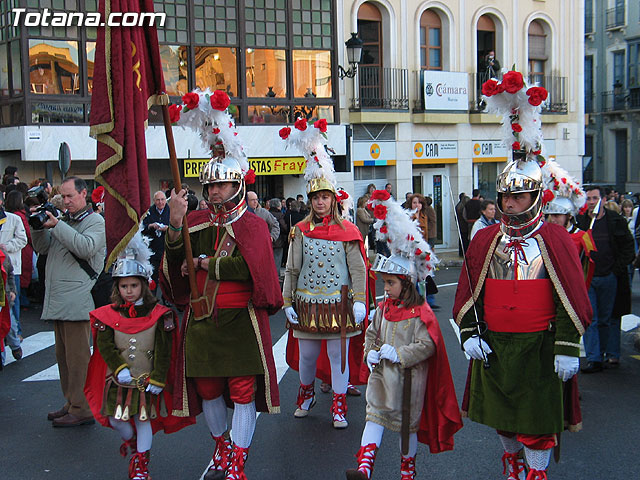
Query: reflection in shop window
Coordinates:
[53,67]
[216,69]
[266,73]
[4,71]
[49,112]
[312,73]
[175,69]
[91,57]
[269,114]
[313,112]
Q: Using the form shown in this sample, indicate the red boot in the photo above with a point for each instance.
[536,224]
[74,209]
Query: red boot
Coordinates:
[366,457]
[305,393]
[221,455]
[537,475]
[408,468]
[339,411]
[235,470]
[139,466]
[513,466]
[128,446]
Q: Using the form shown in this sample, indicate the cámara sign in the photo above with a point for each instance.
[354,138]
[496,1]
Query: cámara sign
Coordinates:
[445,90]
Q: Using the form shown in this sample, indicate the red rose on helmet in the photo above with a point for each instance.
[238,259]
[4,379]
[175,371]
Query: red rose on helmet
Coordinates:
[491,87]
[191,100]
[301,124]
[418,252]
[512,81]
[284,133]
[384,229]
[516,127]
[547,196]
[537,95]
[216,130]
[516,145]
[174,112]
[250,177]
[341,195]
[380,212]
[380,195]
[321,125]
[220,100]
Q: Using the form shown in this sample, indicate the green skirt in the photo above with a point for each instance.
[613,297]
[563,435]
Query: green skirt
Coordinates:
[520,392]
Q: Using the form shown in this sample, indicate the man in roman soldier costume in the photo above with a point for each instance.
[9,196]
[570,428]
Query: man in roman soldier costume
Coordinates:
[521,302]
[325,284]
[226,350]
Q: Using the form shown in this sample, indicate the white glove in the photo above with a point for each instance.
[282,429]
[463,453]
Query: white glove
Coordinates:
[566,366]
[389,353]
[291,314]
[372,314]
[153,389]
[475,348]
[359,312]
[373,358]
[124,376]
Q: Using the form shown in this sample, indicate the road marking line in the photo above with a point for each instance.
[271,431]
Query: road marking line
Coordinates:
[629,322]
[32,344]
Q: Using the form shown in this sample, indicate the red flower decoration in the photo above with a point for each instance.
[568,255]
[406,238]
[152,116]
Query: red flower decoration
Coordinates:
[321,125]
[418,251]
[191,100]
[380,212]
[97,196]
[284,133]
[491,87]
[341,195]
[384,229]
[583,210]
[428,257]
[537,152]
[250,177]
[380,195]
[512,81]
[516,127]
[216,130]
[220,100]
[537,95]
[547,196]
[174,112]
[564,180]
[516,145]
[301,124]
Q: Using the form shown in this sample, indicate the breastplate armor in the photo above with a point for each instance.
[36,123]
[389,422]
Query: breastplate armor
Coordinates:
[324,271]
[137,349]
[531,267]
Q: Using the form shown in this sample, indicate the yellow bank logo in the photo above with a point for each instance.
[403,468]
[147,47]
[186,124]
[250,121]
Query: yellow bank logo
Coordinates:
[418,150]
[374,151]
[476,149]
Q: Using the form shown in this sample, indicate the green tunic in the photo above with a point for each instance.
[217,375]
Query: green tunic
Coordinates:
[111,355]
[225,344]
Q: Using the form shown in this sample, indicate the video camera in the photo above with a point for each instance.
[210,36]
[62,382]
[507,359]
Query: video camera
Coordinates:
[37,219]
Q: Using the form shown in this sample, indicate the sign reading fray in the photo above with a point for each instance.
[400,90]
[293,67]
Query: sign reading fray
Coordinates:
[262,166]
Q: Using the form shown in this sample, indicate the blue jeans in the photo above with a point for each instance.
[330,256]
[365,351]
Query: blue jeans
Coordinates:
[602,295]
[12,339]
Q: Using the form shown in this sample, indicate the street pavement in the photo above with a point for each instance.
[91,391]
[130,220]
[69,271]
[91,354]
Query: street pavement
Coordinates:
[305,449]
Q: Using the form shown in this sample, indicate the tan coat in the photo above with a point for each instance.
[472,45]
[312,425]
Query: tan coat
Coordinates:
[414,346]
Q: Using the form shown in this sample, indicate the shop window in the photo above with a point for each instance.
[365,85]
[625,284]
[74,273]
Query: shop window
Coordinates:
[90,48]
[313,113]
[312,73]
[216,69]
[430,41]
[175,69]
[50,112]
[266,74]
[265,114]
[53,67]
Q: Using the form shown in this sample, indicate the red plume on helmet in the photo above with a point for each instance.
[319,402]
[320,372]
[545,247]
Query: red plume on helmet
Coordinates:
[97,196]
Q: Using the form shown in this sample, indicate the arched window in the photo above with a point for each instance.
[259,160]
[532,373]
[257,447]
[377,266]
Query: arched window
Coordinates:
[537,51]
[488,63]
[430,41]
[370,68]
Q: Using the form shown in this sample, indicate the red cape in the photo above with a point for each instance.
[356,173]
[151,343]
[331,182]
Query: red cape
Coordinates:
[254,243]
[96,372]
[5,313]
[440,418]
[336,233]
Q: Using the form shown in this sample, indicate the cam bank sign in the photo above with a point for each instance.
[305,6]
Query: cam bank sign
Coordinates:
[445,90]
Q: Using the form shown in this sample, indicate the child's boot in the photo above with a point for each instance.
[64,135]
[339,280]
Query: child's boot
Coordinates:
[339,411]
[366,457]
[513,466]
[305,401]
[221,454]
[139,466]
[128,446]
[235,470]
[408,468]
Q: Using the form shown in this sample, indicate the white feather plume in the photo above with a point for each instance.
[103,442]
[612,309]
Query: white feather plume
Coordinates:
[138,249]
[557,180]
[311,142]
[402,234]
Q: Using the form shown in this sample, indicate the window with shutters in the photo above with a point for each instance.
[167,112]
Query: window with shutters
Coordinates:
[430,41]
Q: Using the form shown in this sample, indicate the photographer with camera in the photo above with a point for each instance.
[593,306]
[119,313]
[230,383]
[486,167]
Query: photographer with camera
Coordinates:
[75,248]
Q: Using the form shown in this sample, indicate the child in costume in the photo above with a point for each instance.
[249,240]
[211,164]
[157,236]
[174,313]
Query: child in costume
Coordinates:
[410,389]
[133,342]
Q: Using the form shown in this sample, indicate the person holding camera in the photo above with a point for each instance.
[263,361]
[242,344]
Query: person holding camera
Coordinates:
[75,247]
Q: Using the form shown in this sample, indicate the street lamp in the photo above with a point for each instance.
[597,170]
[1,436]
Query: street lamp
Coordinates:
[354,56]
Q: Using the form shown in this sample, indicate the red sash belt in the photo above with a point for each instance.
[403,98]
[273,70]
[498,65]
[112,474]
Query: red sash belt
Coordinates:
[233,294]
[529,310]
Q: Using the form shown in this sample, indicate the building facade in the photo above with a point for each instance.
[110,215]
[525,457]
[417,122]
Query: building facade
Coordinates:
[612,93]
[411,116]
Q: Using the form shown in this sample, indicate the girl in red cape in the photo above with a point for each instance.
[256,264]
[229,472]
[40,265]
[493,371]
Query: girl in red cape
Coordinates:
[135,344]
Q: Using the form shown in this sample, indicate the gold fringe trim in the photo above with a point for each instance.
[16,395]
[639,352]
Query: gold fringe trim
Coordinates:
[558,286]
[483,274]
[267,380]
[184,411]
[567,344]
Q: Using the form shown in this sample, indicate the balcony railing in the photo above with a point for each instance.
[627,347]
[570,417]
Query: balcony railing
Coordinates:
[615,17]
[621,99]
[381,88]
[556,101]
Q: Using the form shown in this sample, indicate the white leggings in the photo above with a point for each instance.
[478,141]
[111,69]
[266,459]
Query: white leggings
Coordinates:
[143,430]
[309,353]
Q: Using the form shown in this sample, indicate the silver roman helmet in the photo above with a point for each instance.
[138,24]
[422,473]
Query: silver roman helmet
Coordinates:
[395,265]
[560,206]
[133,261]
